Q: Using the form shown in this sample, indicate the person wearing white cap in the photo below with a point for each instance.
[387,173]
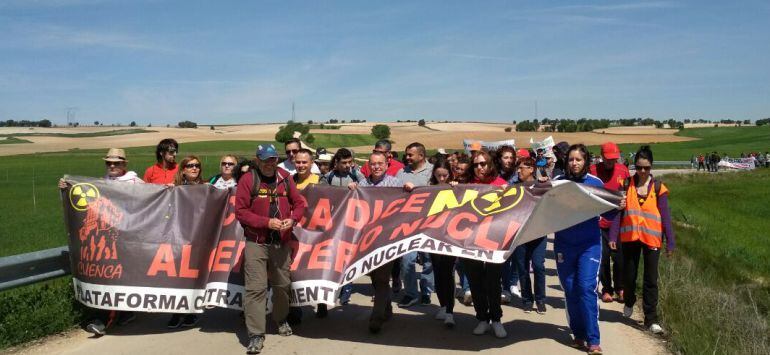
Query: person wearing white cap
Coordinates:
[116,165]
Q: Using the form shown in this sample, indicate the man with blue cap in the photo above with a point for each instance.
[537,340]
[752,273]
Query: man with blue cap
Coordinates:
[268,205]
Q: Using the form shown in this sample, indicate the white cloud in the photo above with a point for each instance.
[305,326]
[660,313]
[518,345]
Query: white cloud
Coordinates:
[53,36]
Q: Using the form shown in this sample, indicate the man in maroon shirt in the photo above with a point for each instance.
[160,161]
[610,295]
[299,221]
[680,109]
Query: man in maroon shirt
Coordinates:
[613,175]
[383,146]
[164,170]
[267,216]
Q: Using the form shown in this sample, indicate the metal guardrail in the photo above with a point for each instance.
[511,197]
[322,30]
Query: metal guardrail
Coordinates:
[24,269]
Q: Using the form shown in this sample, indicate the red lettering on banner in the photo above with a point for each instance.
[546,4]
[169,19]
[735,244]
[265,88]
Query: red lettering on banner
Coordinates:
[322,215]
[369,238]
[513,227]
[345,253]
[435,221]
[405,229]
[238,258]
[163,261]
[392,207]
[231,216]
[185,270]
[223,254]
[320,250]
[415,202]
[481,235]
[377,212]
[302,249]
[350,213]
[461,234]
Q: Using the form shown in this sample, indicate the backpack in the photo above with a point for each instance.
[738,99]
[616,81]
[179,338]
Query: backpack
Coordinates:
[256,181]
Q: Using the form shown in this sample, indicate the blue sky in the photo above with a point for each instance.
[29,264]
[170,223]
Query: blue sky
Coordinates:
[246,61]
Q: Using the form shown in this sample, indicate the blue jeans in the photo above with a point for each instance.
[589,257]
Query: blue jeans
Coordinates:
[531,252]
[510,273]
[409,274]
[460,267]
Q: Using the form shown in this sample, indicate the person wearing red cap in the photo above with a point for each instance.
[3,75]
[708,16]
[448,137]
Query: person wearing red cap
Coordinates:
[612,175]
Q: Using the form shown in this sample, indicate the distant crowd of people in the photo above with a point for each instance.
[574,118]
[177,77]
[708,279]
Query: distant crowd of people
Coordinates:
[710,161]
[269,204]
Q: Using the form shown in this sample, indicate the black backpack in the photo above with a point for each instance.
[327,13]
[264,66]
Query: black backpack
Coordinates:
[256,181]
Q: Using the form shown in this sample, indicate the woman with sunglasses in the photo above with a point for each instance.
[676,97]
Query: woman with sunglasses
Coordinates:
[641,227]
[578,252]
[226,177]
[189,172]
[485,277]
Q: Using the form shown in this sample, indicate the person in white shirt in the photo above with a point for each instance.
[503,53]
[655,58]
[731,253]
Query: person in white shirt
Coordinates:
[291,147]
[225,179]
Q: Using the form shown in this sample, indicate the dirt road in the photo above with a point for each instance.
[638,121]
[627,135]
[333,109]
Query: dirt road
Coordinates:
[411,331]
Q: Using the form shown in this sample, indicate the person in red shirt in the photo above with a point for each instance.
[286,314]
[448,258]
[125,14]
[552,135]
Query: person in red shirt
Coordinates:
[612,174]
[383,146]
[165,169]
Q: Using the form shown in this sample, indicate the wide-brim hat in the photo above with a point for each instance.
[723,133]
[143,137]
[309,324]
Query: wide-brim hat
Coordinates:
[324,158]
[116,155]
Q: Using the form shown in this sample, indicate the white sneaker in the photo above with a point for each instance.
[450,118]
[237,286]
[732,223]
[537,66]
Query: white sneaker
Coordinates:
[482,328]
[515,291]
[628,311]
[449,320]
[499,330]
[655,328]
[441,314]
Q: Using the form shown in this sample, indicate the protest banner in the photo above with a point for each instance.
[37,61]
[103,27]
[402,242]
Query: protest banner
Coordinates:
[489,145]
[738,163]
[145,247]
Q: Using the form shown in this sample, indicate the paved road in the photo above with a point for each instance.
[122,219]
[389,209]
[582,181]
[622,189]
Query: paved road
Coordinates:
[412,331]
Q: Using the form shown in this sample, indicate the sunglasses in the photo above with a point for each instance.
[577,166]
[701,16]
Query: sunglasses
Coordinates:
[292,151]
[227,163]
[648,167]
[482,164]
[171,151]
[114,163]
[192,166]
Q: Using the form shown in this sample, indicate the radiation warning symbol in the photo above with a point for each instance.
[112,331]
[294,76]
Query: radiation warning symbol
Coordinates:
[83,194]
[497,201]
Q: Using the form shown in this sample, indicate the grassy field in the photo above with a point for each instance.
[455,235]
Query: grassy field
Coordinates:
[329,140]
[13,140]
[115,132]
[715,292]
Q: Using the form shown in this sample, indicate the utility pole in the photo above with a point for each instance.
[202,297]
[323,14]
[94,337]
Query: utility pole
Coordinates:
[535,109]
[292,111]
[71,114]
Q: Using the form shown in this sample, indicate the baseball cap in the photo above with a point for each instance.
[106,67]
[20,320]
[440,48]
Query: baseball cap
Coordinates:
[475,146]
[266,151]
[610,151]
[442,151]
[522,153]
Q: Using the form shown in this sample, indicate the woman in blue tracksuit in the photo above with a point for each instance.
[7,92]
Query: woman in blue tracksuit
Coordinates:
[578,252]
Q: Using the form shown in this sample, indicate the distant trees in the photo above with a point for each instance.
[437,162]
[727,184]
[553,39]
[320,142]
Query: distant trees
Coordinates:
[527,126]
[508,129]
[381,131]
[96,123]
[212,128]
[762,122]
[26,123]
[184,124]
[286,132]
[132,124]
[421,123]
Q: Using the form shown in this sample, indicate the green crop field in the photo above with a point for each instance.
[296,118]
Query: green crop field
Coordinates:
[115,132]
[13,140]
[329,140]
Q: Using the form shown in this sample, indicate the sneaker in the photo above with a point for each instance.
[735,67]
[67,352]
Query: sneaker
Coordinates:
[96,327]
[126,317]
[656,329]
[515,291]
[425,300]
[505,297]
[540,306]
[284,329]
[606,297]
[375,325]
[441,314]
[449,320]
[628,311]
[467,298]
[256,343]
[594,350]
[482,328]
[527,307]
[499,330]
[407,302]
[620,297]
[175,321]
[321,311]
[189,320]
[578,343]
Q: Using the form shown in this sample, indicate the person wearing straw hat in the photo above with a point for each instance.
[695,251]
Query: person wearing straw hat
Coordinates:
[116,166]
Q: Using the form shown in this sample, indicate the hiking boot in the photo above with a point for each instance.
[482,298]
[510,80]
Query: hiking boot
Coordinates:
[628,311]
[527,307]
[284,329]
[449,320]
[408,301]
[256,343]
[321,311]
[606,297]
[594,350]
[441,314]
[656,329]
[425,300]
[189,320]
[482,328]
[96,327]
[126,317]
[540,307]
[175,321]
[578,343]
[499,330]
[467,298]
